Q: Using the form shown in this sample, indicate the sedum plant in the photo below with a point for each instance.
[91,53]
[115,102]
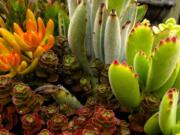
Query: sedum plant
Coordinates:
[21,50]
[150,69]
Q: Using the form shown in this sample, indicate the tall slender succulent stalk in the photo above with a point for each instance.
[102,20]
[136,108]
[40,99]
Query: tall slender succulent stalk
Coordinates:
[95,20]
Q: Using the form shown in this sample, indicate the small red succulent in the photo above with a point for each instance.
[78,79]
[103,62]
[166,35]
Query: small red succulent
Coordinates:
[86,132]
[45,132]
[31,123]
[4,131]
[10,116]
[57,123]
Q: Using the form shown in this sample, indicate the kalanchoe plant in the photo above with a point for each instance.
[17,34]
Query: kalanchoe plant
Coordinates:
[149,69]
[21,50]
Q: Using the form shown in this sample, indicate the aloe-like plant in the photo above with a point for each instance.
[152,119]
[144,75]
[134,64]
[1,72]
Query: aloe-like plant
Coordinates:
[152,63]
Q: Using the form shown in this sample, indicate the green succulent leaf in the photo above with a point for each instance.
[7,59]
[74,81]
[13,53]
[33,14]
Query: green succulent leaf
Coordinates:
[152,125]
[163,63]
[168,110]
[141,67]
[112,38]
[140,39]
[141,12]
[124,84]
[161,91]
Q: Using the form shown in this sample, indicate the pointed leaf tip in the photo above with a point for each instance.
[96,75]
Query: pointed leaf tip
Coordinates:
[116,62]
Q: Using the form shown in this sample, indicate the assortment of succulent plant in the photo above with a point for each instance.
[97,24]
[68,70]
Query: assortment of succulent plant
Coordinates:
[81,67]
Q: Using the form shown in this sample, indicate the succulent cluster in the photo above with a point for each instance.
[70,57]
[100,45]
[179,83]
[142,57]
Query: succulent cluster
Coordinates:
[92,21]
[105,74]
[20,51]
[145,71]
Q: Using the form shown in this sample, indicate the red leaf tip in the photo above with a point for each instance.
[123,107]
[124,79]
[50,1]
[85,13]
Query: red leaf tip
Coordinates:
[116,62]
[174,39]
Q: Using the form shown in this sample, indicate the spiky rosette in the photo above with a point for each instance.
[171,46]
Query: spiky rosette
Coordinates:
[5,90]
[25,99]
[45,132]
[168,110]
[141,38]
[121,76]
[48,66]
[31,123]
[160,70]
[57,123]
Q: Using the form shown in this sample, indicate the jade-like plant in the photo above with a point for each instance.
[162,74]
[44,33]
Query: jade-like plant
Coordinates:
[152,63]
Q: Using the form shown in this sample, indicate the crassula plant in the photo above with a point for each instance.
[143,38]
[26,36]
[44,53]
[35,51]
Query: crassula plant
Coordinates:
[151,68]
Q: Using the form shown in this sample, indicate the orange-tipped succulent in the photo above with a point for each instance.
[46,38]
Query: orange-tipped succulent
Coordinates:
[20,52]
[10,58]
[37,38]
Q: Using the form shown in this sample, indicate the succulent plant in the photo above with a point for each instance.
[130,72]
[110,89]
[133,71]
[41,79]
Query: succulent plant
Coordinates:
[9,117]
[5,90]
[21,50]
[48,66]
[166,119]
[144,70]
[57,123]
[46,112]
[25,99]
[4,132]
[45,132]
[31,123]
[100,18]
